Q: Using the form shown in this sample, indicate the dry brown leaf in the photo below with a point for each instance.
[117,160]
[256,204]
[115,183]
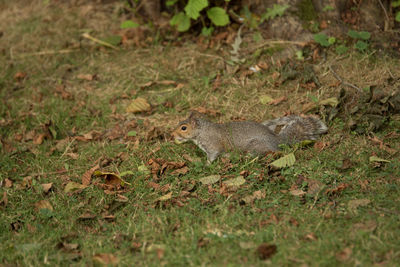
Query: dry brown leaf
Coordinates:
[138,105]
[344,255]
[8,183]
[46,187]
[297,192]
[105,259]
[181,171]
[87,176]
[43,204]
[39,139]
[20,75]
[73,187]
[211,112]
[87,77]
[265,251]
[278,100]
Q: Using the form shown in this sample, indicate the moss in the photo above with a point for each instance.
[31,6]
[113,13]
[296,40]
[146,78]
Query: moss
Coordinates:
[306,11]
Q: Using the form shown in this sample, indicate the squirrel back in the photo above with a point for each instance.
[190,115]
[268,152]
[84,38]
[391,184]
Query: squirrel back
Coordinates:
[246,136]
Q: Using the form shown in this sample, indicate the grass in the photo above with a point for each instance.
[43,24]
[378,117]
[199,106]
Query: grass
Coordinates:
[198,224]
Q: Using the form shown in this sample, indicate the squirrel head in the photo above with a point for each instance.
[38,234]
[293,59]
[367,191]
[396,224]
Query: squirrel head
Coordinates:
[187,129]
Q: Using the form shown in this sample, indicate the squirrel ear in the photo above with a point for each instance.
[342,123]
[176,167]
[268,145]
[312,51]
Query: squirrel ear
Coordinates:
[195,114]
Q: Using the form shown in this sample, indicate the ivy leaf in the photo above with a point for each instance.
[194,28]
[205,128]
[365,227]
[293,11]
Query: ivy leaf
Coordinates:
[128,24]
[361,45]
[341,49]
[207,31]
[194,7]
[277,10]
[182,21]
[322,39]
[218,16]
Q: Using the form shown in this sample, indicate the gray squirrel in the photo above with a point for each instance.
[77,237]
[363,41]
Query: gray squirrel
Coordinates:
[247,136]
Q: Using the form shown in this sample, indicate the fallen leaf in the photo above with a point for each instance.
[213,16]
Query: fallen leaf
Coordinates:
[266,99]
[43,204]
[278,100]
[210,179]
[73,186]
[314,186]
[238,181]
[202,242]
[8,183]
[181,171]
[46,187]
[87,216]
[112,180]
[355,203]
[332,101]
[297,192]
[138,105]
[87,176]
[376,159]
[20,75]
[207,111]
[336,190]
[37,140]
[87,77]
[165,197]
[105,259]
[285,161]
[256,195]
[344,255]
[265,251]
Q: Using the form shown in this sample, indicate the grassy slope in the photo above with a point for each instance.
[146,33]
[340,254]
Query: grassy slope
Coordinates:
[209,228]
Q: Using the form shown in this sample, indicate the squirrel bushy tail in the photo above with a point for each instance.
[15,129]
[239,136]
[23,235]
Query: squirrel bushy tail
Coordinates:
[293,128]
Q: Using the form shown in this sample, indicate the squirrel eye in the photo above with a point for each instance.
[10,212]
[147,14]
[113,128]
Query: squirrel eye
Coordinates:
[183,128]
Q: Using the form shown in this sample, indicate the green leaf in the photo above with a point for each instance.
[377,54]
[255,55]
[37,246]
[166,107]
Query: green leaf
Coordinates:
[73,186]
[212,179]
[266,99]
[171,2]
[277,10]
[132,133]
[397,18]
[359,35]
[328,8]
[341,49]
[322,39]
[218,16]
[376,159]
[182,21]
[128,24]
[285,161]
[332,101]
[194,7]
[331,40]
[125,173]
[143,169]
[396,3]
[207,31]
[361,45]
[238,181]
[113,40]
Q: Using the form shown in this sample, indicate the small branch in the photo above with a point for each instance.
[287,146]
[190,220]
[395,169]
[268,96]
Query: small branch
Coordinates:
[88,36]
[342,81]
[384,11]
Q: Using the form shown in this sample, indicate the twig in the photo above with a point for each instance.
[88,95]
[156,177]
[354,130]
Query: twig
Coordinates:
[88,36]
[384,11]
[342,81]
